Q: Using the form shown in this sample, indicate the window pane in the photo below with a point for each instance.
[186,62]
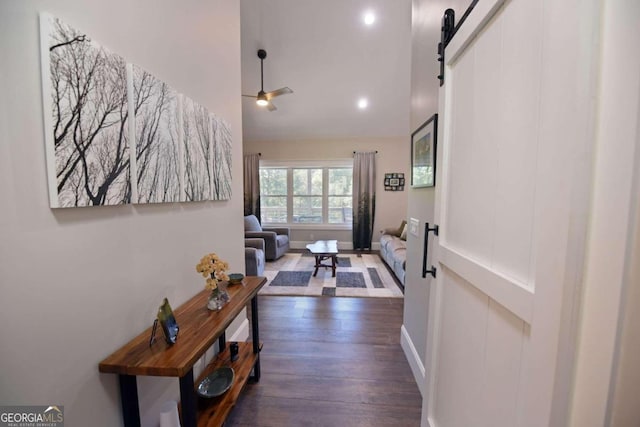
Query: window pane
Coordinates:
[273,182]
[340,210]
[307,182]
[273,209]
[306,196]
[307,209]
[340,181]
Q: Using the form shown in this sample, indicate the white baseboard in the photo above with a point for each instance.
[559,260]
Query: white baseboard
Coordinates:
[242,333]
[346,246]
[417,367]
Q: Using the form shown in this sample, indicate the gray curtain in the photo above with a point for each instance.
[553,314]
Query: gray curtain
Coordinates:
[252,185]
[364,199]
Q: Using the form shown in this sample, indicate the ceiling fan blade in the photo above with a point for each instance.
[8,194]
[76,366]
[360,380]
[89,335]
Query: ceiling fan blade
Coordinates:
[250,96]
[278,92]
[271,107]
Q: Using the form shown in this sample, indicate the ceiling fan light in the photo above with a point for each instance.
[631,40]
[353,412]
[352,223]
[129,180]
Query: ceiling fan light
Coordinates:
[369,17]
[261,99]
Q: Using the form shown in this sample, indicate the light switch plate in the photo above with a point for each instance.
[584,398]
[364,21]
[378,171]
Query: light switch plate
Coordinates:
[414,226]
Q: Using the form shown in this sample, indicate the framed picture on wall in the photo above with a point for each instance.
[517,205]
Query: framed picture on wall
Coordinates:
[394,181]
[423,154]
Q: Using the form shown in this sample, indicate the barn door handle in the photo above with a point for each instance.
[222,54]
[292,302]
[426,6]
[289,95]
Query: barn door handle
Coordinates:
[427,230]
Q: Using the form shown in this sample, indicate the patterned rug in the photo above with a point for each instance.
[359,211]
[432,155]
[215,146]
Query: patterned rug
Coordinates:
[356,276]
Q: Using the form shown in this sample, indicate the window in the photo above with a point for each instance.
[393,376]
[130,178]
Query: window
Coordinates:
[299,193]
[273,195]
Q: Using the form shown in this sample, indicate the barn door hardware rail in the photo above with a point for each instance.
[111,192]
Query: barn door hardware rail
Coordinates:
[446,33]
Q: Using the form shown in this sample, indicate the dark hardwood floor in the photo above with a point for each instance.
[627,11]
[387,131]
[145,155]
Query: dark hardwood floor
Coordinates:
[330,362]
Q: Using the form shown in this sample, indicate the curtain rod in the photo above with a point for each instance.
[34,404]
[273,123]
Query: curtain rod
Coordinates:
[375,152]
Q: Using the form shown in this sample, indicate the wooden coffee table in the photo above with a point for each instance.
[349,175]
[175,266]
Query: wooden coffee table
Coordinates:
[324,250]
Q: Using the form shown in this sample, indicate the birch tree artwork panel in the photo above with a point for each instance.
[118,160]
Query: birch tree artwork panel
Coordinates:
[221,165]
[86,130]
[157,159]
[197,145]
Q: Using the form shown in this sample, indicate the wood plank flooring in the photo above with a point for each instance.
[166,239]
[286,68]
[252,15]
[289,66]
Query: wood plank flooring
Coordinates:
[330,362]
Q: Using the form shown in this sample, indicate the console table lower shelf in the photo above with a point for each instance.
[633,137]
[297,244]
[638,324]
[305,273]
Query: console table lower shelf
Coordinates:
[213,412]
[200,328]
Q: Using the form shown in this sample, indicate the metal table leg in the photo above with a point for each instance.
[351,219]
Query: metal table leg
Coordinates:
[255,336]
[129,399]
[188,400]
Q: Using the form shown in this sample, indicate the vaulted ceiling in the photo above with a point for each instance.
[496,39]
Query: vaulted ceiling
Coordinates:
[330,58]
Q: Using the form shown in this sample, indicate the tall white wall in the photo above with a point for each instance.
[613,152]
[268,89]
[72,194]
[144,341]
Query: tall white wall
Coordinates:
[425,35]
[609,343]
[393,156]
[76,284]
[623,409]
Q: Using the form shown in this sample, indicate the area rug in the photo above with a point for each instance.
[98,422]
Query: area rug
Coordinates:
[356,276]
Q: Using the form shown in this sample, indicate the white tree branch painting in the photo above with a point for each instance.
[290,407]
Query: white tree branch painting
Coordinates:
[157,149]
[116,134]
[221,160]
[89,137]
[197,145]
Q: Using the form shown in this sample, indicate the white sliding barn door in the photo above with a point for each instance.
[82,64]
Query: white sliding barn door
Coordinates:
[511,197]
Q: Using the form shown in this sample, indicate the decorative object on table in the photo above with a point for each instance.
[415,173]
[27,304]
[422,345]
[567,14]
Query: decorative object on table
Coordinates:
[423,154]
[235,278]
[394,182]
[214,270]
[233,351]
[216,383]
[154,329]
[168,322]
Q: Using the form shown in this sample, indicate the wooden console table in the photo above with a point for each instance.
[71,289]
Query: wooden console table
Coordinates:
[199,329]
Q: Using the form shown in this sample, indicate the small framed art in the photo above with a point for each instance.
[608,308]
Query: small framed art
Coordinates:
[168,322]
[423,154]
[394,181]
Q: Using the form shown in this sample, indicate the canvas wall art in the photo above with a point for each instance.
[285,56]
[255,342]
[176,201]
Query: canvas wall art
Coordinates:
[197,146]
[85,103]
[221,167]
[116,134]
[157,161]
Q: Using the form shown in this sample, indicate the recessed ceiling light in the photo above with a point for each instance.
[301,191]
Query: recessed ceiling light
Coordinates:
[369,17]
[363,103]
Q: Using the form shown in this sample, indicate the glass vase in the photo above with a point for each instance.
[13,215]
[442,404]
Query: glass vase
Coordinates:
[215,303]
[222,292]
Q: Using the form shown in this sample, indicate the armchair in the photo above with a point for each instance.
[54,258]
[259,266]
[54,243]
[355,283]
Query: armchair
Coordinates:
[276,239]
[254,257]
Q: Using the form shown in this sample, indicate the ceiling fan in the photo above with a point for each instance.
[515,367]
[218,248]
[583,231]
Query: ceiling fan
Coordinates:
[263,98]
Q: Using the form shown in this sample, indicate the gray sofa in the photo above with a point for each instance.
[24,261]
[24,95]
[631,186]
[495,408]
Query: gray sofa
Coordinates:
[393,251]
[276,239]
[254,257]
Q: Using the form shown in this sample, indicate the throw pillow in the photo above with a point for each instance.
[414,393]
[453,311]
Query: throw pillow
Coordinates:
[402,224]
[403,234]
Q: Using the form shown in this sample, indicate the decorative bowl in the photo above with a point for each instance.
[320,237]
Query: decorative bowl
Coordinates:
[235,278]
[216,383]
